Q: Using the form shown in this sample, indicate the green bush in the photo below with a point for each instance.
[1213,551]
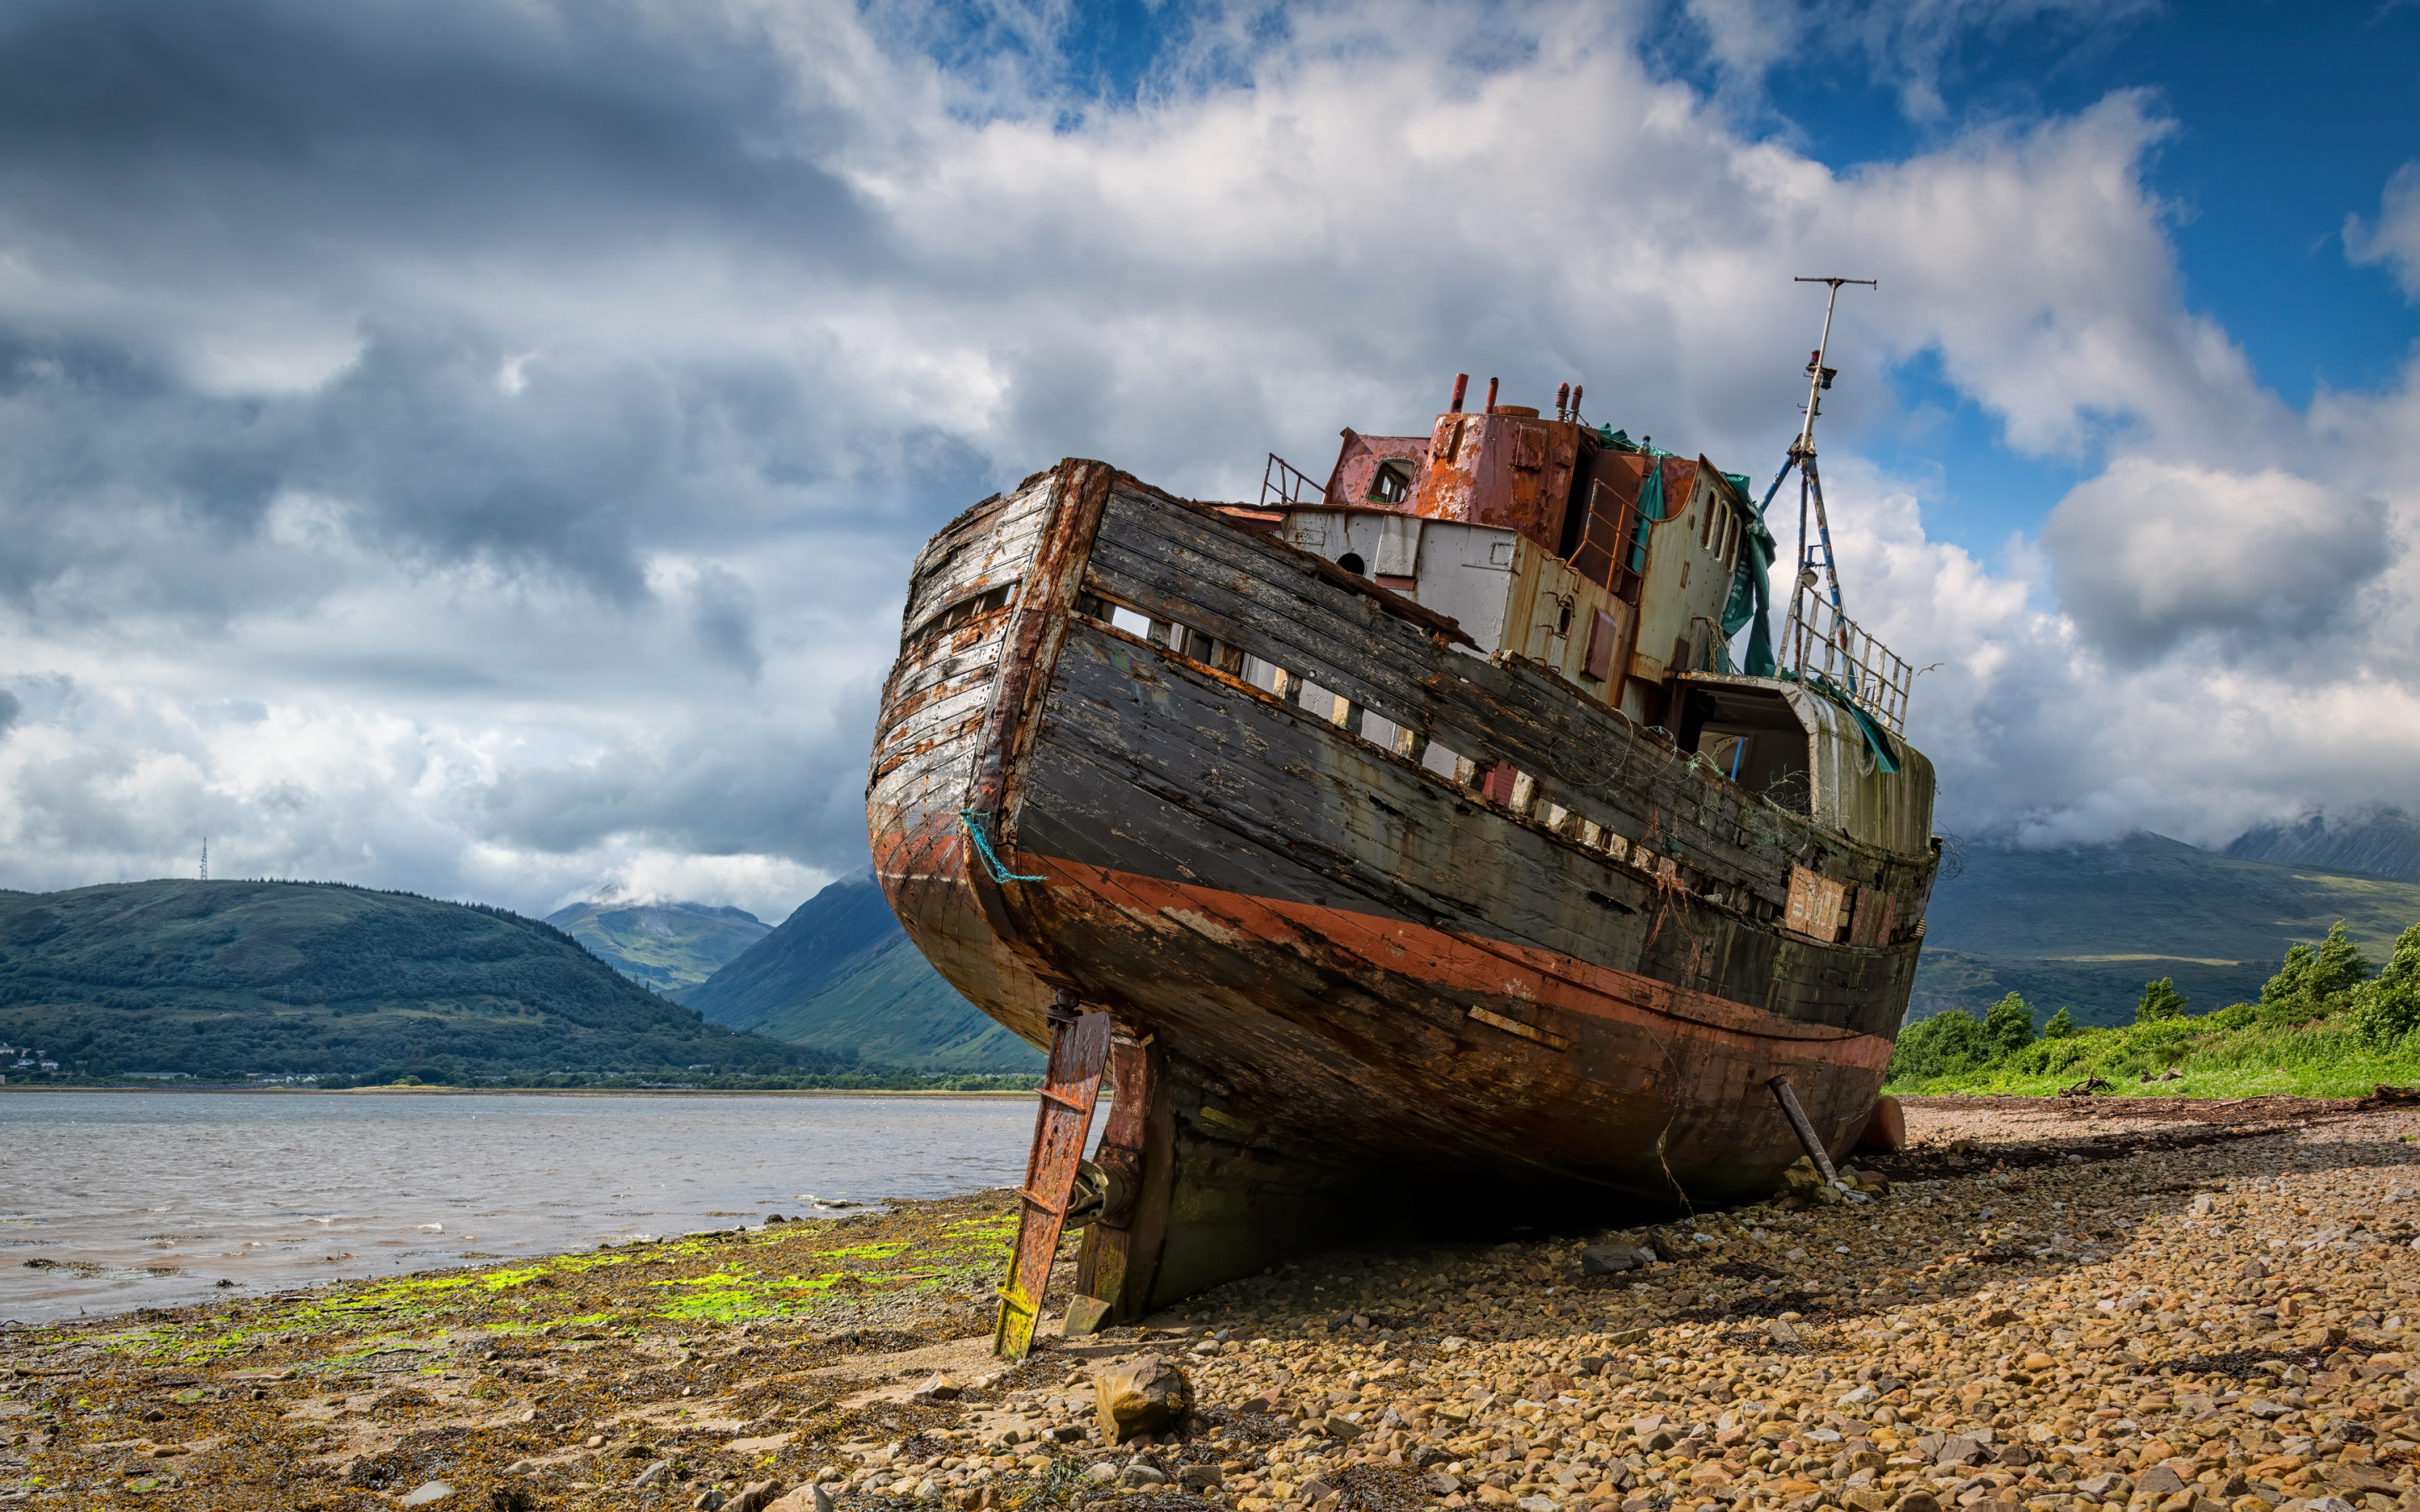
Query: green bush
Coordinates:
[2010,1026]
[2048,1056]
[2161,1000]
[1945,1044]
[2312,982]
[2387,1009]
[2322,1027]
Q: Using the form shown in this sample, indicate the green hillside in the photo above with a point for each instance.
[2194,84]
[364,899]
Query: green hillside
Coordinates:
[839,975]
[210,977]
[668,947]
[2084,928]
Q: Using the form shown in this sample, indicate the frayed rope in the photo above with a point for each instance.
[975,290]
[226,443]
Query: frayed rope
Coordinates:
[973,821]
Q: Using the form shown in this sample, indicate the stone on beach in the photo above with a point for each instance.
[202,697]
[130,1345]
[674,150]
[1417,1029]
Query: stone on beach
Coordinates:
[1612,1259]
[1145,1397]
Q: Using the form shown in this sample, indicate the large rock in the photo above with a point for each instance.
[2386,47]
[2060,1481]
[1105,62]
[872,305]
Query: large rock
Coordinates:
[1145,1397]
[2159,1481]
[1961,1451]
[1609,1259]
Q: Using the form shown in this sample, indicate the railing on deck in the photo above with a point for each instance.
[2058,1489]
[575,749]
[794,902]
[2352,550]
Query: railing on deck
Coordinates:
[1820,641]
[1284,485]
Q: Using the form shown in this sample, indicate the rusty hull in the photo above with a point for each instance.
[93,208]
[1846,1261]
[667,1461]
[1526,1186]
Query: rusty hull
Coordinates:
[1350,988]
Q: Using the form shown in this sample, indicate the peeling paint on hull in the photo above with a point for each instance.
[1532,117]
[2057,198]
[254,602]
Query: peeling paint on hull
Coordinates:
[1340,976]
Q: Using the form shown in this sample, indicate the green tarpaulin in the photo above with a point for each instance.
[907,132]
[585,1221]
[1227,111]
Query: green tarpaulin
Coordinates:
[1751,600]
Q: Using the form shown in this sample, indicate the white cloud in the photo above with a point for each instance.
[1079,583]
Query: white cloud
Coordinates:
[2151,552]
[2395,240]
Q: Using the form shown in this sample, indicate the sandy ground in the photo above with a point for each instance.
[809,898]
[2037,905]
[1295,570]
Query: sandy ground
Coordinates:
[2152,1305]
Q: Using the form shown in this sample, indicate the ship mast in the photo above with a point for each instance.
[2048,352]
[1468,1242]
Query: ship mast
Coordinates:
[1810,482]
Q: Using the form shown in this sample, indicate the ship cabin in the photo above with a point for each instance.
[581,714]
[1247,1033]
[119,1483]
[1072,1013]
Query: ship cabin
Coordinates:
[1626,571]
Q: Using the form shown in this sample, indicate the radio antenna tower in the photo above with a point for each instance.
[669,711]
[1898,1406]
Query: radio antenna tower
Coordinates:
[1810,482]
[206,859]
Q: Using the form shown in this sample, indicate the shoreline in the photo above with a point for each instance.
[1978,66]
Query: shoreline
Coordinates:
[231,1088]
[2048,1312]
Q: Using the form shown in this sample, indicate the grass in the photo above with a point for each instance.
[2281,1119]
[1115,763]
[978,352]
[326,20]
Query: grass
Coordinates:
[2323,1059]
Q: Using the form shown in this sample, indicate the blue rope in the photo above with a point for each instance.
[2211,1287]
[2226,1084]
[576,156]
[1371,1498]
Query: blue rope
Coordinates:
[973,821]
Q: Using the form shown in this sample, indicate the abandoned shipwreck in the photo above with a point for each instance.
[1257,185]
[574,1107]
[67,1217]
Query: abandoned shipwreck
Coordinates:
[1408,842]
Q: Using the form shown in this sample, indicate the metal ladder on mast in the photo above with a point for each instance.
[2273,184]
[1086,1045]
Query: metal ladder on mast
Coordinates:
[1814,552]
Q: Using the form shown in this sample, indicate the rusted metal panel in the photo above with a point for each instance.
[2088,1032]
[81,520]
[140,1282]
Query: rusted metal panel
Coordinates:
[1356,480]
[1079,1051]
[1507,469]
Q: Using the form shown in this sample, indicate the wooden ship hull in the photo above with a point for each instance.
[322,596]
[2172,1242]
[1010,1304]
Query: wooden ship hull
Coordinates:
[1399,917]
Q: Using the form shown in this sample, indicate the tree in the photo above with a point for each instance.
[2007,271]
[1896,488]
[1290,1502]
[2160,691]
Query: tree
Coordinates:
[2061,1026]
[2312,981]
[1941,1046]
[2161,1000]
[2010,1026]
[2386,1010]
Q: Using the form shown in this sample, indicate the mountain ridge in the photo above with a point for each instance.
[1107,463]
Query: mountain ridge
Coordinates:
[181,975]
[2380,841]
[668,946]
[840,975]
[2083,927]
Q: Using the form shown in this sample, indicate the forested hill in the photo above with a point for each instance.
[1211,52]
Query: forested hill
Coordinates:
[840,975]
[210,977]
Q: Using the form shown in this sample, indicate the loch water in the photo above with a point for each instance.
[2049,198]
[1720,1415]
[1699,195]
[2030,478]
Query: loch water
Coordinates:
[117,1200]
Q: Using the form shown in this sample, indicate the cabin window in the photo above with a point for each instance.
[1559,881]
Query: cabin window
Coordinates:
[1721,533]
[1352,562]
[1391,484]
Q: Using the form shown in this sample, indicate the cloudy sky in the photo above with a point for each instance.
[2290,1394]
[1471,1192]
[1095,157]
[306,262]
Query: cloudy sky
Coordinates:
[475,446]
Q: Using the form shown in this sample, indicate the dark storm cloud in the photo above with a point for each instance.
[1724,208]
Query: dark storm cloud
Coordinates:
[290,158]
[265,131]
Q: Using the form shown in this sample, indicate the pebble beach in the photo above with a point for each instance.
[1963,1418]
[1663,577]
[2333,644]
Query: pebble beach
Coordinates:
[2139,1305]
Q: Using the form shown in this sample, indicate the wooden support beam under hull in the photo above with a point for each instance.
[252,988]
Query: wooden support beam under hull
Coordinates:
[1079,1051]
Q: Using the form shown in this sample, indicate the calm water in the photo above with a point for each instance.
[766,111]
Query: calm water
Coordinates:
[145,1199]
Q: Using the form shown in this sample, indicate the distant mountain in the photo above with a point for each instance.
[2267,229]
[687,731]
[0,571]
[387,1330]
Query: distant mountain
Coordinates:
[2085,927]
[840,975]
[671,947]
[319,977]
[2381,842]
